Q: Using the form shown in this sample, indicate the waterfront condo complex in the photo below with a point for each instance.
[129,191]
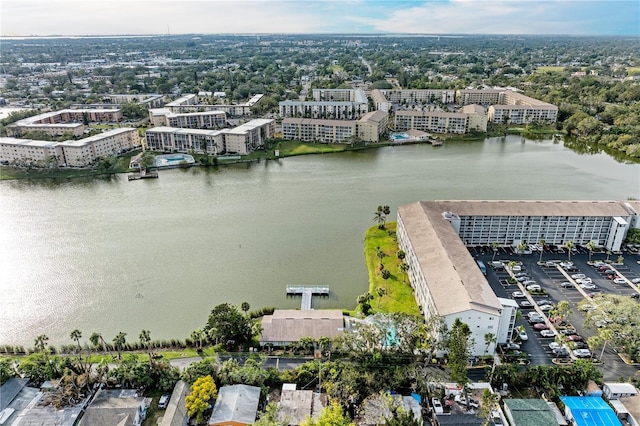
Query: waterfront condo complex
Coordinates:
[446,279]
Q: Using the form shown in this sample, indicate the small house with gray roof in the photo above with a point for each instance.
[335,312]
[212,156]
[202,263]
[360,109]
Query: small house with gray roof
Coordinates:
[236,405]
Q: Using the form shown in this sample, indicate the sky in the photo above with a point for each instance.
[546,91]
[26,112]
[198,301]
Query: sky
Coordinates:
[119,17]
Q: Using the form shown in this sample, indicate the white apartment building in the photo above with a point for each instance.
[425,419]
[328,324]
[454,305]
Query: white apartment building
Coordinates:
[190,103]
[330,110]
[242,140]
[317,130]
[72,153]
[414,96]
[479,96]
[372,126]
[339,95]
[197,120]
[445,277]
[432,121]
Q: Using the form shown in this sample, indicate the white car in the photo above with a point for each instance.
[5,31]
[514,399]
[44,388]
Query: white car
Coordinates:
[554,345]
[547,333]
[523,335]
[534,287]
[636,280]
[578,276]
[545,307]
[619,281]
[534,315]
[588,286]
[582,353]
[517,295]
[584,280]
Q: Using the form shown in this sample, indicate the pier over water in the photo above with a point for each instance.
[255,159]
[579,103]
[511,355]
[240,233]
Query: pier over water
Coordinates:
[307,293]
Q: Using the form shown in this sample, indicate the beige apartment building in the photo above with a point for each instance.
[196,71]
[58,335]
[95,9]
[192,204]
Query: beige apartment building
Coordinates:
[369,128]
[192,120]
[72,153]
[56,123]
[190,103]
[509,106]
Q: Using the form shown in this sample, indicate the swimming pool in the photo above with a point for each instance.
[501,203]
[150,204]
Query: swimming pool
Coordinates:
[173,160]
[399,136]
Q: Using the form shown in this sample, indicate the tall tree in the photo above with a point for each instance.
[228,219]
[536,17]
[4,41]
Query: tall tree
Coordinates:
[118,342]
[541,242]
[203,391]
[570,245]
[459,346]
[76,335]
[333,415]
[145,339]
[590,246]
[245,307]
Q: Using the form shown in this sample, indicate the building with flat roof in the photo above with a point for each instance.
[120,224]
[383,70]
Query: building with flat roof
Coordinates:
[589,411]
[72,153]
[336,95]
[121,407]
[191,103]
[383,99]
[56,123]
[445,278]
[242,139]
[196,120]
[318,130]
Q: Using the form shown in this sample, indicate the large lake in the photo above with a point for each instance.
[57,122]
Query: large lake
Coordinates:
[113,255]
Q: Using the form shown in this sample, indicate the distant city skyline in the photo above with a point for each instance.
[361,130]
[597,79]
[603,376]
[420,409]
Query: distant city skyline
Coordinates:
[137,17]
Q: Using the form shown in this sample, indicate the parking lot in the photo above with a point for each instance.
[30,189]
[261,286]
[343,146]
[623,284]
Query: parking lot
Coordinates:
[554,281]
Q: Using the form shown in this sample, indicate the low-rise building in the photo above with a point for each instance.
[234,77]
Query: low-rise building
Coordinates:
[529,412]
[57,123]
[121,407]
[612,390]
[236,405]
[286,326]
[589,411]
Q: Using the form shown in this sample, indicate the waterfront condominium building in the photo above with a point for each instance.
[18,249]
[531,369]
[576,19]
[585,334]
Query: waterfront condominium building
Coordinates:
[71,153]
[369,128]
[445,277]
[243,139]
[432,121]
[509,106]
[339,95]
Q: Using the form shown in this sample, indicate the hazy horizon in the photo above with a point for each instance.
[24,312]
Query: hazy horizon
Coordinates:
[28,18]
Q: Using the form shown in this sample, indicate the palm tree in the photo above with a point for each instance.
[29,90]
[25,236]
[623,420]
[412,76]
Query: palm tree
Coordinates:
[522,246]
[381,293]
[119,341]
[245,307]
[40,343]
[96,340]
[542,243]
[145,339]
[404,267]
[380,255]
[570,245]
[489,338]
[76,335]
[379,217]
[590,246]
[494,247]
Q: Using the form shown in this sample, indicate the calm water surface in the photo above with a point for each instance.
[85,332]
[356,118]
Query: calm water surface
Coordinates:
[113,255]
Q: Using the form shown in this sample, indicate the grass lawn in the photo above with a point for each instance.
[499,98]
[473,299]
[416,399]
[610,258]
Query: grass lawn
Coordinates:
[633,70]
[550,69]
[398,295]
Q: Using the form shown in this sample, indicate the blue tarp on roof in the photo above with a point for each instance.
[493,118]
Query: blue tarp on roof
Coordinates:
[417,397]
[590,411]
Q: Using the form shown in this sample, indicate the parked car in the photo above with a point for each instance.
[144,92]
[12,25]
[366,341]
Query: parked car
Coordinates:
[527,304]
[510,346]
[164,401]
[588,286]
[554,345]
[548,333]
[518,295]
[578,276]
[536,320]
[534,314]
[568,331]
[582,353]
[561,352]
[541,326]
[522,334]
[534,287]
[613,276]
[636,280]
[584,280]
[566,284]
[545,307]
[620,281]
[575,338]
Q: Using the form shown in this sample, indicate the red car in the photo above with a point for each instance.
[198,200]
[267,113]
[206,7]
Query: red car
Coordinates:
[575,338]
[541,326]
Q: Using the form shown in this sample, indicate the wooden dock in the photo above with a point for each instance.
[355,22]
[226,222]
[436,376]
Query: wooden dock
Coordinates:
[144,174]
[307,294]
